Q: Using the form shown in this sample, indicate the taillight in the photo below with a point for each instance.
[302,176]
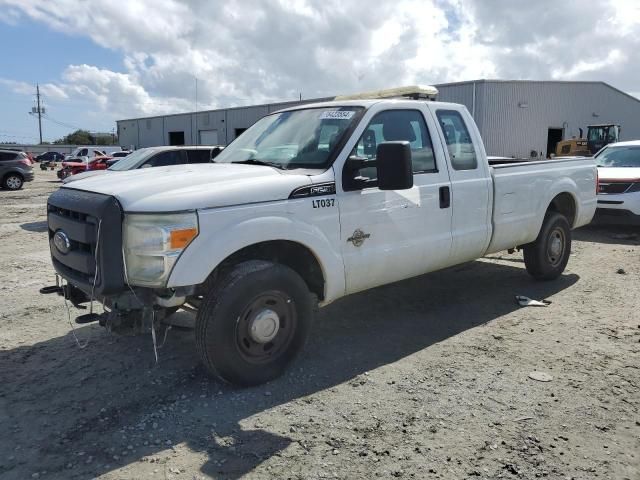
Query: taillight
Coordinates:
[597,181]
[25,161]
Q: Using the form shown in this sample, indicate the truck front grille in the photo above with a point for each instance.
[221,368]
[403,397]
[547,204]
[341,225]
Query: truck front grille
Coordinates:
[74,218]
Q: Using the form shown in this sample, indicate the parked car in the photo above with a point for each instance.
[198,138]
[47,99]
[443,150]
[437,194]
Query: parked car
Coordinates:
[156,157]
[85,154]
[69,168]
[50,157]
[15,169]
[619,183]
[310,204]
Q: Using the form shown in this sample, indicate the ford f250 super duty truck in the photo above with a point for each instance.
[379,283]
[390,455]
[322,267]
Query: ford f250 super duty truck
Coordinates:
[310,204]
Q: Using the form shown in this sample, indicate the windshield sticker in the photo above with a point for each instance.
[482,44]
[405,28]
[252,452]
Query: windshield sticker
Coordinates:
[337,115]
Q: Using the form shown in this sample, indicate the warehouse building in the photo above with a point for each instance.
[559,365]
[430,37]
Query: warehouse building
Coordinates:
[522,119]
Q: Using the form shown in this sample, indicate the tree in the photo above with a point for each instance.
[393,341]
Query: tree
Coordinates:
[84,137]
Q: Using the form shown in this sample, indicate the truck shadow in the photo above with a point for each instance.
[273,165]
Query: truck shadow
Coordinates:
[38,227]
[83,413]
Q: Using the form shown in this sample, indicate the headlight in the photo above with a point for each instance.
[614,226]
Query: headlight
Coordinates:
[153,243]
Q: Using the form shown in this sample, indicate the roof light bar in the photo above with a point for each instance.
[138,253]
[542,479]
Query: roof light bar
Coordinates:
[414,92]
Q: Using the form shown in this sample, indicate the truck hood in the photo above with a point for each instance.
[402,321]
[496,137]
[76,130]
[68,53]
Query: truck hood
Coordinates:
[618,173]
[189,187]
[83,175]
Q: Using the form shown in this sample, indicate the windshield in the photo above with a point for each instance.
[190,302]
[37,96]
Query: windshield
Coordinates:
[132,160]
[294,139]
[619,157]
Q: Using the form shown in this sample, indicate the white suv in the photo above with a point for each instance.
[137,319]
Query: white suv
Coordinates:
[619,183]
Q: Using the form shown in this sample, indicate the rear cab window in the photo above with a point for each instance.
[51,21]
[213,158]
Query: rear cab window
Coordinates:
[461,150]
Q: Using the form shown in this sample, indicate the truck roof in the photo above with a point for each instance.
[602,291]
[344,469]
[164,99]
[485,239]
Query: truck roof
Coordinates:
[367,104]
[628,143]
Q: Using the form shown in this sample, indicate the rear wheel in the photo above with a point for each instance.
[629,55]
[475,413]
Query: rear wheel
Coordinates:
[253,322]
[12,181]
[547,257]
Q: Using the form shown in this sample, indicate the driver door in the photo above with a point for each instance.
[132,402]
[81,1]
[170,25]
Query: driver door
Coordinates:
[388,236]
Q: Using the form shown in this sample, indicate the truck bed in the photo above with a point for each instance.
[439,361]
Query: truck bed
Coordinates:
[522,192]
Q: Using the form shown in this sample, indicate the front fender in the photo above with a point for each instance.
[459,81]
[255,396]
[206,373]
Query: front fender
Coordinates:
[224,231]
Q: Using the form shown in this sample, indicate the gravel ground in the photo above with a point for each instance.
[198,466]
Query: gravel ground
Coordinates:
[427,378]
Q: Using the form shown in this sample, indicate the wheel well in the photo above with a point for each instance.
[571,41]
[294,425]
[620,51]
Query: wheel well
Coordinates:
[292,254]
[13,173]
[565,205]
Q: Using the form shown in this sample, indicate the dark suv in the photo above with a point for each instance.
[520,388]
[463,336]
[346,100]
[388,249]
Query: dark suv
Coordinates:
[15,169]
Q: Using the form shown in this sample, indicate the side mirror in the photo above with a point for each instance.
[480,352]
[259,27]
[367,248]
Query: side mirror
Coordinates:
[393,162]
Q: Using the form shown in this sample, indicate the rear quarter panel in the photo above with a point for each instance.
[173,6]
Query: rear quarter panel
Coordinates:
[523,192]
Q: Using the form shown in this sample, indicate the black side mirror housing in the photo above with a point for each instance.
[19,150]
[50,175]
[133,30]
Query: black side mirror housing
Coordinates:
[395,170]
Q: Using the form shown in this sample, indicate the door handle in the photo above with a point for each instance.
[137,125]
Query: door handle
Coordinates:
[445,197]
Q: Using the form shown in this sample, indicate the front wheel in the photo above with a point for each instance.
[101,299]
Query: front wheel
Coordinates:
[547,257]
[253,322]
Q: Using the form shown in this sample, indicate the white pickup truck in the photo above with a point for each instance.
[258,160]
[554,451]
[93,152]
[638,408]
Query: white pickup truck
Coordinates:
[310,204]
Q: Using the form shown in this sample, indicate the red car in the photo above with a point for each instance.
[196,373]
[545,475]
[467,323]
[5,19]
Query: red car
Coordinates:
[71,168]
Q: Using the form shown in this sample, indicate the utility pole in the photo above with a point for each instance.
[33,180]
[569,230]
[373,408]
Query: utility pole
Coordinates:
[39,112]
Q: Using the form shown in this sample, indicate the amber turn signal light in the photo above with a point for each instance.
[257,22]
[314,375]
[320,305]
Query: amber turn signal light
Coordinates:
[182,238]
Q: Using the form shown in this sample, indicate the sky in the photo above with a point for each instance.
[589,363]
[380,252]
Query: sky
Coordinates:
[98,61]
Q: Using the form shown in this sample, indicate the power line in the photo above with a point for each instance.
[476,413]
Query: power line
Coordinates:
[63,124]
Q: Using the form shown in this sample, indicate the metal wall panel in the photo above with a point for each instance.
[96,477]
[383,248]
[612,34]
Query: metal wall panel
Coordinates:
[513,116]
[243,118]
[150,132]
[518,114]
[178,123]
[128,133]
[209,120]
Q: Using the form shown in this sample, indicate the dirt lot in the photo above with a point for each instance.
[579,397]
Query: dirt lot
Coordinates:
[426,378]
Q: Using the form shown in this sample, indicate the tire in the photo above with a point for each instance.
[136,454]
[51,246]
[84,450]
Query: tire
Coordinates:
[547,257]
[12,181]
[253,323]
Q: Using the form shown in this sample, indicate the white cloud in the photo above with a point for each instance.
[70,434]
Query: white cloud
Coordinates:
[248,51]
[51,90]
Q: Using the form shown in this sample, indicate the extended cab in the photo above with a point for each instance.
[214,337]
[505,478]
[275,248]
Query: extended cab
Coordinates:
[310,204]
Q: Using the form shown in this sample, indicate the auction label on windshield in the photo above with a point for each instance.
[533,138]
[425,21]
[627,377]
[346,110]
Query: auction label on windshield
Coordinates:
[337,115]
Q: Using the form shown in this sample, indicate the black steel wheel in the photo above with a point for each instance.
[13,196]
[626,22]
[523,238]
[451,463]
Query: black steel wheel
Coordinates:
[547,257]
[253,322]
[265,328]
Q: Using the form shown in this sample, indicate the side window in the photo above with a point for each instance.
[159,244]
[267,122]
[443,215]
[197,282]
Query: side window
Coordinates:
[395,125]
[5,156]
[199,156]
[163,159]
[84,152]
[459,144]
